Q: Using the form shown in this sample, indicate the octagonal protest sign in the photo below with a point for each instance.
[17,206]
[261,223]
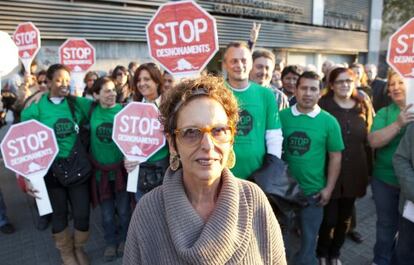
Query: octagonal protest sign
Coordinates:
[400,56]
[27,39]
[182,37]
[79,56]
[138,134]
[29,148]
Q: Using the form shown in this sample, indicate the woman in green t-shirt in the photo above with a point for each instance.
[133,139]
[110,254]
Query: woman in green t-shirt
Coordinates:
[63,113]
[108,185]
[148,83]
[386,132]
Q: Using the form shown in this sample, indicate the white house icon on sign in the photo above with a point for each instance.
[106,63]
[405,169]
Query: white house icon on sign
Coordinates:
[33,167]
[183,64]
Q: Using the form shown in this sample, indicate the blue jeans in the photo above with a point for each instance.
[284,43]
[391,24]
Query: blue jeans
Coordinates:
[121,204]
[310,219]
[3,216]
[404,247]
[386,203]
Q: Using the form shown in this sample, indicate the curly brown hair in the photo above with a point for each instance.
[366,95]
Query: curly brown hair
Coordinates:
[208,86]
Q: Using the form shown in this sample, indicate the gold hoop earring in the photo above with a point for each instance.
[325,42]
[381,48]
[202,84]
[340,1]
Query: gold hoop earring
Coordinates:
[231,160]
[174,161]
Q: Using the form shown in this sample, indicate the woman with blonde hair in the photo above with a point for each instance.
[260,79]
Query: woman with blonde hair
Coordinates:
[386,132]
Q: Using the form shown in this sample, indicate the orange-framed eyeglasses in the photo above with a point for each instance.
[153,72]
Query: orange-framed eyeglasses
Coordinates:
[192,135]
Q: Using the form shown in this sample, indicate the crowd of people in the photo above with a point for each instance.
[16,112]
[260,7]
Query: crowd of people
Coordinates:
[196,202]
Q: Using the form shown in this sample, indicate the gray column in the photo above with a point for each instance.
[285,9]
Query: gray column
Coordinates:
[375,31]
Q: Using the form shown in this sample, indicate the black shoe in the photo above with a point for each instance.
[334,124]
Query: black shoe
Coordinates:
[43,222]
[7,229]
[355,236]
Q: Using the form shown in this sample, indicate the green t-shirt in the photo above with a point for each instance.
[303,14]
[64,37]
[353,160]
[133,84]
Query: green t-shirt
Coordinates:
[306,143]
[383,168]
[59,118]
[160,154]
[258,113]
[103,149]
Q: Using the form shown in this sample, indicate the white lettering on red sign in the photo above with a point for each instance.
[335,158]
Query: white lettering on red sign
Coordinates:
[25,38]
[188,30]
[33,142]
[402,40]
[76,53]
[141,125]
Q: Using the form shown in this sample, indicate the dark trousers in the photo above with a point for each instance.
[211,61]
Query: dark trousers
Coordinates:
[120,205]
[336,222]
[78,197]
[405,242]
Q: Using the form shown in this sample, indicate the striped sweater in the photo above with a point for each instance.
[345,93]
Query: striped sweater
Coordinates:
[242,229]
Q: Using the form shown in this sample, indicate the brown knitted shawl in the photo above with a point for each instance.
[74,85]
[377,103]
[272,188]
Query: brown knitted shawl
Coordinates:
[242,229]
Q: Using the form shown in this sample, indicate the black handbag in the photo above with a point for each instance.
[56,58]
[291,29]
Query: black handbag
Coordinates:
[274,179]
[76,168]
[151,174]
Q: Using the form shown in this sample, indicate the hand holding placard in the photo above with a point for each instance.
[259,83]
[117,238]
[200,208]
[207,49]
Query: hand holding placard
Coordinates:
[138,134]
[29,148]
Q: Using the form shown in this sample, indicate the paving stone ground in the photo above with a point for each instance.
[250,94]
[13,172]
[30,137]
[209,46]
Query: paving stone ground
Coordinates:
[28,246]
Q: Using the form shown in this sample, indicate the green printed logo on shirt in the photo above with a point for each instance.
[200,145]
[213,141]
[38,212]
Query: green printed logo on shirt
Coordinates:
[298,143]
[245,124]
[104,132]
[63,128]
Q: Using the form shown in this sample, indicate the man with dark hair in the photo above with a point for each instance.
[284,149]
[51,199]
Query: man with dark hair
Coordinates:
[169,81]
[258,130]
[310,133]
[380,96]
[261,73]
[132,66]
[290,75]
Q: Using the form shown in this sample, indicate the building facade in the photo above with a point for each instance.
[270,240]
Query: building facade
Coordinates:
[298,31]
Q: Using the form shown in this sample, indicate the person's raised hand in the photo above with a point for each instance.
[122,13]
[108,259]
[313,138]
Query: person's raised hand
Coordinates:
[254,32]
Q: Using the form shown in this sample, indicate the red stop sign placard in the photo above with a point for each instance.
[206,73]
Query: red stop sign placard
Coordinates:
[137,130]
[77,54]
[27,39]
[401,50]
[182,37]
[29,148]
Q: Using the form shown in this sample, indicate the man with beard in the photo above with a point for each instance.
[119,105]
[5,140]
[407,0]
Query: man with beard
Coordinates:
[261,73]
[258,130]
